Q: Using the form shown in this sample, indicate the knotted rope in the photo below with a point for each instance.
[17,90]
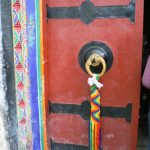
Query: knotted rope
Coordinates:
[95,119]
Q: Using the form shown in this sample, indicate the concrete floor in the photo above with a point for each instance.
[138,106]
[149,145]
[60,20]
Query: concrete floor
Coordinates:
[142,142]
[143,134]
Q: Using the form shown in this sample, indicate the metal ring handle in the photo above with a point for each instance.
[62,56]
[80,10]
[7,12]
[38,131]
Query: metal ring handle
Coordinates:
[97,60]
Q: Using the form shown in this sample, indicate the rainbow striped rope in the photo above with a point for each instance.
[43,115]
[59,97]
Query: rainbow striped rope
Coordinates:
[95,123]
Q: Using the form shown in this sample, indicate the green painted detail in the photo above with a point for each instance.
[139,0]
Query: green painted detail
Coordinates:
[38,47]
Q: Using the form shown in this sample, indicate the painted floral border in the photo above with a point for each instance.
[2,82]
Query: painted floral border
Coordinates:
[28,55]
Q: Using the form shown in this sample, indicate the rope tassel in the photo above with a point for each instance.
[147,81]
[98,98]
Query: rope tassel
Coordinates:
[95,119]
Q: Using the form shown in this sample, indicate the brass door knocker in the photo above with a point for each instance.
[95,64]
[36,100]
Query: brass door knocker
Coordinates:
[95,60]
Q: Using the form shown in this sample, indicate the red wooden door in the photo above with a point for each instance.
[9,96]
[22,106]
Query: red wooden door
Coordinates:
[120,28]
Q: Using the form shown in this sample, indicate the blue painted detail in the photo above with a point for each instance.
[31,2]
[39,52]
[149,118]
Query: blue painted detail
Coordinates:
[31,32]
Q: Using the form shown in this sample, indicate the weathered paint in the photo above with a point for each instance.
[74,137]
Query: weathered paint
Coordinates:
[22,80]
[68,83]
[37,115]
[26,39]
[29,35]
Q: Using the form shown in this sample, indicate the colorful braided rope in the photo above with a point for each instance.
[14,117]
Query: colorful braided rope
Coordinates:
[95,123]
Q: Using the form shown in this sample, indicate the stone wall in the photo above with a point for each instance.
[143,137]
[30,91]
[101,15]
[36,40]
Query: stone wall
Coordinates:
[8,117]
